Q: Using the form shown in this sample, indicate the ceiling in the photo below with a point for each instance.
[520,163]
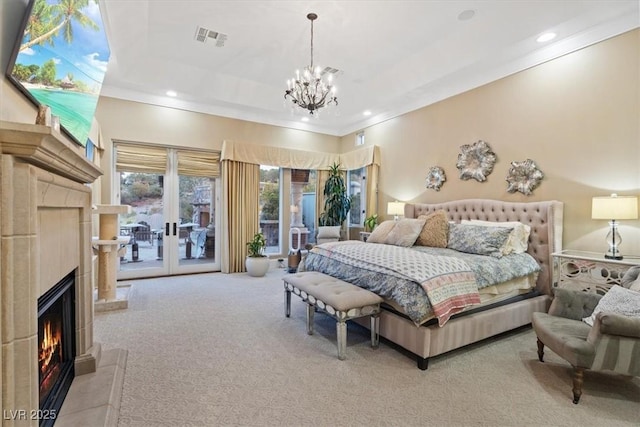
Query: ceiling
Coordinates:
[392,56]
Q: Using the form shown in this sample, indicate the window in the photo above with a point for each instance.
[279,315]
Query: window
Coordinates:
[356,189]
[270,207]
[360,138]
[303,203]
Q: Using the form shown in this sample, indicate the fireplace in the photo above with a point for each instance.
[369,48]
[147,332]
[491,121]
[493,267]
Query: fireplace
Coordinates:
[46,230]
[56,345]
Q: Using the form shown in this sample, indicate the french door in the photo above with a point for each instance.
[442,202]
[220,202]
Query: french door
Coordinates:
[174,199]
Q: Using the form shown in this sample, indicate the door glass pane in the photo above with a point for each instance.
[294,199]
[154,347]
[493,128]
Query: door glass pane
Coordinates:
[356,189]
[303,206]
[196,230]
[270,207]
[144,225]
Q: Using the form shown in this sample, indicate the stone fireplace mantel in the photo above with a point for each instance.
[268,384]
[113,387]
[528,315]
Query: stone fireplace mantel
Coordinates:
[45,224]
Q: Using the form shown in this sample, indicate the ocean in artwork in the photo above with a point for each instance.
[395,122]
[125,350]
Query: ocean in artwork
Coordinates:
[75,109]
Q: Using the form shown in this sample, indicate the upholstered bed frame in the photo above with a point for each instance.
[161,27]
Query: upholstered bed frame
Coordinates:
[545,219]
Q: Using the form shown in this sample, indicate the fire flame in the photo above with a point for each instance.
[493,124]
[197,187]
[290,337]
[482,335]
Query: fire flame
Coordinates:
[50,346]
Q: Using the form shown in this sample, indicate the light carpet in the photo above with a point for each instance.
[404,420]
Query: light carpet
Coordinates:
[216,350]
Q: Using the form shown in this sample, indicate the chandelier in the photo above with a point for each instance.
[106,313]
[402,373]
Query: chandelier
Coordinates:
[309,90]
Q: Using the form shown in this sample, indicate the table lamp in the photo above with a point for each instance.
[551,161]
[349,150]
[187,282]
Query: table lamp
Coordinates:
[614,208]
[396,209]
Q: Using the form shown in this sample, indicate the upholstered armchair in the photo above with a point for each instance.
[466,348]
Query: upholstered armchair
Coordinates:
[611,344]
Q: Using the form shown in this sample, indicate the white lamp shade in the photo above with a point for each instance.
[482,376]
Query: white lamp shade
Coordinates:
[614,207]
[395,208]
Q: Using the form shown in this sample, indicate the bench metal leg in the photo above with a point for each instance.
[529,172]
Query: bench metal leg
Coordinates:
[287,303]
[341,333]
[310,312]
[375,330]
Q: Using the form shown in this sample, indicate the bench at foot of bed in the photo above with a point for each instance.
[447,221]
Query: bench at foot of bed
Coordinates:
[341,300]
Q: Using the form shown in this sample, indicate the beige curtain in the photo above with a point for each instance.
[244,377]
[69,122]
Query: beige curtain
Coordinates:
[371,204]
[240,195]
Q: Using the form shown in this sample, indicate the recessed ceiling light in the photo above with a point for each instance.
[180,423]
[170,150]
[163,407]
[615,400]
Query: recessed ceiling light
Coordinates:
[546,37]
[172,93]
[466,15]
[366,113]
[305,119]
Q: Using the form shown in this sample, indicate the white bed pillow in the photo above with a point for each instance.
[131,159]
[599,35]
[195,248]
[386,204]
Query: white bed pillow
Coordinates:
[329,232]
[518,240]
[617,300]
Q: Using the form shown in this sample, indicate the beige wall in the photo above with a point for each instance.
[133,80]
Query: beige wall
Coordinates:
[132,121]
[577,117]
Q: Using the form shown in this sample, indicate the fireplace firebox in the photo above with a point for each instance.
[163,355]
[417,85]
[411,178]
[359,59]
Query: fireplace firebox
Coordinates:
[56,346]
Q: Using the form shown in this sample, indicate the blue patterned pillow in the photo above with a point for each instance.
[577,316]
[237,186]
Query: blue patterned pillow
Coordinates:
[478,239]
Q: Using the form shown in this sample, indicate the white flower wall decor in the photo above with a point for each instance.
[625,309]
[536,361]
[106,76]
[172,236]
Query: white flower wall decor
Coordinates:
[524,177]
[476,161]
[435,178]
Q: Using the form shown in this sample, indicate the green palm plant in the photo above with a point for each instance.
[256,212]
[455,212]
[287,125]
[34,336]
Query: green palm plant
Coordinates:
[336,203]
[50,19]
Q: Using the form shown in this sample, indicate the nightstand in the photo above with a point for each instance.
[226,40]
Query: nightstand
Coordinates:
[588,271]
[364,235]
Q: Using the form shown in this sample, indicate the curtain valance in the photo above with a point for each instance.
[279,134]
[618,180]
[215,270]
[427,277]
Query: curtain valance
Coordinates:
[298,159]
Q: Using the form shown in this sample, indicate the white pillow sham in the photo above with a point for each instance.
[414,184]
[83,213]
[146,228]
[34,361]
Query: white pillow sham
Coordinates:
[518,240]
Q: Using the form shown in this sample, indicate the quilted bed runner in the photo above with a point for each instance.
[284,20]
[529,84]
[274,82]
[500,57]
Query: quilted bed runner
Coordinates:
[448,282]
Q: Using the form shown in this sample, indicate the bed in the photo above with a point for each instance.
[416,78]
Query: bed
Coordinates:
[464,305]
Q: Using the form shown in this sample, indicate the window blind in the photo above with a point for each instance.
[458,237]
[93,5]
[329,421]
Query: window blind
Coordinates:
[199,163]
[139,158]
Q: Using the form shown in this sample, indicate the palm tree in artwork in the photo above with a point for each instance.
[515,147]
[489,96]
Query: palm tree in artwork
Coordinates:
[49,19]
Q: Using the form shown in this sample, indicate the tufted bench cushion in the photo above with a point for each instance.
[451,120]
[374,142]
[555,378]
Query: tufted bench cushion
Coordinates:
[339,299]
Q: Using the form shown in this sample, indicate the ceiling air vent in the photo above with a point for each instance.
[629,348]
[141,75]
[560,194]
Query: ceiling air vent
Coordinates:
[330,70]
[204,34]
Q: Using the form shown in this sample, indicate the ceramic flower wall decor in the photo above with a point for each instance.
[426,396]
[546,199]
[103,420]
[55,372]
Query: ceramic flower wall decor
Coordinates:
[435,178]
[476,161]
[524,177]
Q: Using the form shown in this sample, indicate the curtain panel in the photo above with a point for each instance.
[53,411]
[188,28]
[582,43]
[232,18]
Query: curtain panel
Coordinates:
[240,199]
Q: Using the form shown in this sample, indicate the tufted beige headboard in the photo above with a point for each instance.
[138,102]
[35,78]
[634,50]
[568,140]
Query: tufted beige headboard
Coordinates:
[544,218]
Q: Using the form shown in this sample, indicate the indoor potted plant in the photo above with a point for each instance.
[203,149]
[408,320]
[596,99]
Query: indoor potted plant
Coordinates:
[370,222]
[257,263]
[336,201]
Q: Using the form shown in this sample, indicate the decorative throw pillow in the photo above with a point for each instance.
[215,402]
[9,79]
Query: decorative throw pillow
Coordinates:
[631,279]
[379,234]
[405,232]
[478,239]
[435,232]
[617,300]
[518,240]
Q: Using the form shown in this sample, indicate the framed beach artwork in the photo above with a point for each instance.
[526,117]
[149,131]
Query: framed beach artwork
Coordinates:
[60,60]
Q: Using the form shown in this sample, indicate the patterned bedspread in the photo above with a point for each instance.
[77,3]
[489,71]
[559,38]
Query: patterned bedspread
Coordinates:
[426,282]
